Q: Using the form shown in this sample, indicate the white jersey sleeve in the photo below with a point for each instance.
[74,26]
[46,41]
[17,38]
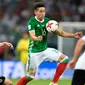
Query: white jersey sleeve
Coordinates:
[81,61]
[83,38]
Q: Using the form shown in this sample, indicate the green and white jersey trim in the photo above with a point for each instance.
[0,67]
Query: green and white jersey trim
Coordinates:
[30,47]
[39,20]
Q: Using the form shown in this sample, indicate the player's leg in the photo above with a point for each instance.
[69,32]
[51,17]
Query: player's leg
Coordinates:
[28,77]
[63,60]
[2,79]
[32,66]
[5,81]
[78,77]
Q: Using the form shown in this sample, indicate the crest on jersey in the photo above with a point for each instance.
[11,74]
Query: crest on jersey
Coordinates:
[38,25]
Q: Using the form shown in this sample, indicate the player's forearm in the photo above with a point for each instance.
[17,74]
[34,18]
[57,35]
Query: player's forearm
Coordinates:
[69,35]
[34,38]
[62,33]
[77,50]
[66,34]
[2,44]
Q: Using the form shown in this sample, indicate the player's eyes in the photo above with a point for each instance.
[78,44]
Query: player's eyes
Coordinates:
[42,11]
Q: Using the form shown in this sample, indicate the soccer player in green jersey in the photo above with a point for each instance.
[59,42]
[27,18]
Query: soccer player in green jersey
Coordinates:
[38,50]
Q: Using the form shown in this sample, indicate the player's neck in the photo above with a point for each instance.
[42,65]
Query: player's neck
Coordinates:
[38,19]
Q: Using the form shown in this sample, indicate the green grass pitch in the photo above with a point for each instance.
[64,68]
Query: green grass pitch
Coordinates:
[44,82]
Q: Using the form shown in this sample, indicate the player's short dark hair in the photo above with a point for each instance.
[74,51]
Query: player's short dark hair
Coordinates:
[38,5]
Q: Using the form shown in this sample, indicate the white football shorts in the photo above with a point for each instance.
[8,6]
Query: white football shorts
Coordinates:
[35,59]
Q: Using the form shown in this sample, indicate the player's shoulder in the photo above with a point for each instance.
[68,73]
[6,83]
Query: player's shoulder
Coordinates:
[31,20]
[83,38]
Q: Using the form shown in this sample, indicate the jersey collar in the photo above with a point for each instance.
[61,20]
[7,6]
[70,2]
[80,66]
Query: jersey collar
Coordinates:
[39,20]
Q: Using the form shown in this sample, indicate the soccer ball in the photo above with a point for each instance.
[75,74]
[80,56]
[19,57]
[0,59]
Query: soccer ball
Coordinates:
[52,26]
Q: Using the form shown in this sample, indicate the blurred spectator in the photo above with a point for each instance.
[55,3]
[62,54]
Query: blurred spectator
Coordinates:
[22,48]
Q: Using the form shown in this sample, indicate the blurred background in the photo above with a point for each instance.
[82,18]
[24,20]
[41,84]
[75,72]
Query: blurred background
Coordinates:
[14,15]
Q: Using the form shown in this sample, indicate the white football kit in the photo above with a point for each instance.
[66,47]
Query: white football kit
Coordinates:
[81,61]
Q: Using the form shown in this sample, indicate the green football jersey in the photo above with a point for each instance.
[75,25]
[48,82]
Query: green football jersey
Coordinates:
[40,30]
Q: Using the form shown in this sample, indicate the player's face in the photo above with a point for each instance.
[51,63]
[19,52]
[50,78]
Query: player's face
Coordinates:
[40,13]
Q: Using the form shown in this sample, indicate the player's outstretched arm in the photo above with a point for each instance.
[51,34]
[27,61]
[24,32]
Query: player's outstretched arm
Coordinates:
[63,33]
[78,48]
[1,44]
[6,44]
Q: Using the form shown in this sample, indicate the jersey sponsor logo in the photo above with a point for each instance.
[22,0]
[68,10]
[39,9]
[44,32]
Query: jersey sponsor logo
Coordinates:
[38,25]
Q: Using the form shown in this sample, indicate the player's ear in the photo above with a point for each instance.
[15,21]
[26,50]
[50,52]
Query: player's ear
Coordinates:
[35,12]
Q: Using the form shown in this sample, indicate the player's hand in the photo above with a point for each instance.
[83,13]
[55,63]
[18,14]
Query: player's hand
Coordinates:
[71,64]
[78,35]
[8,44]
[40,38]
